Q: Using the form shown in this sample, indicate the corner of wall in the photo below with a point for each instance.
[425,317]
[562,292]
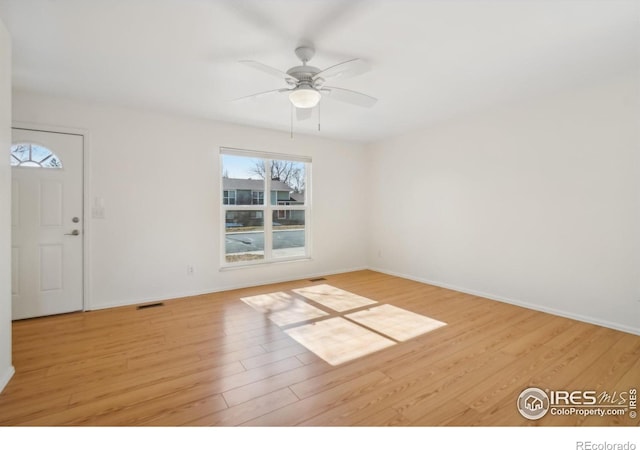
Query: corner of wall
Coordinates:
[6,376]
[6,369]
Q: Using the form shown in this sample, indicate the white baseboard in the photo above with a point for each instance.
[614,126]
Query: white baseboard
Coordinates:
[6,376]
[138,301]
[533,306]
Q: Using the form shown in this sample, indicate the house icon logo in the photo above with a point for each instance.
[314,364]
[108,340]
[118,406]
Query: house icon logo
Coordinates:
[533,403]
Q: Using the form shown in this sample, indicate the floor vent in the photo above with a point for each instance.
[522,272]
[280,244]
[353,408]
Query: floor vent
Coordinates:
[317,279]
[150,305]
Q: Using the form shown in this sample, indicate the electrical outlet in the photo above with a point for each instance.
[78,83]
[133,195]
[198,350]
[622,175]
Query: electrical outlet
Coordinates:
[190,270]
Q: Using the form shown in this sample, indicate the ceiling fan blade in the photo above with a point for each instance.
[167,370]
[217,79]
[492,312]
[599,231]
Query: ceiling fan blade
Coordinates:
[349,96]
[258,16]
[331,16]
[345,69]
[303,113]
[259,94]
[270,70]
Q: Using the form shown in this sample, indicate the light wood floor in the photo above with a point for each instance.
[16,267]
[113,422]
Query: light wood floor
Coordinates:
[213,360]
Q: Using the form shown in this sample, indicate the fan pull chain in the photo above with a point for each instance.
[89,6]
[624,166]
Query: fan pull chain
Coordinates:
[319,116]
[291,109]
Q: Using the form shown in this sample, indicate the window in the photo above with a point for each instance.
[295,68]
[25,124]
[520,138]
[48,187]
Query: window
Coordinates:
[33,155]
[256,230]
[229,197]
[257,197]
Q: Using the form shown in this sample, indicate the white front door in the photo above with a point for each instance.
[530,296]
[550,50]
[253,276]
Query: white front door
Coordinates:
[47,223]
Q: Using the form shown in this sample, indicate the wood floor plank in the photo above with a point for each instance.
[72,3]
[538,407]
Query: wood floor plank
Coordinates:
[575,360]
[489,392]
[257,374]
[335,377]
[276,355]
[604,373]
[416,393]
[176,407]
[277,344]
[245,412]
[180,414]
[304,409]
[440,413]
[258,388]
[387,417]
[501,413]
[19,413]
[112,408]
[140,380]
[308,358]
[486,337]
[548,328]
[213,360]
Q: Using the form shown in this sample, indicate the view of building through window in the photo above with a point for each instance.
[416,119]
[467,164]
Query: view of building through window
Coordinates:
[265,207]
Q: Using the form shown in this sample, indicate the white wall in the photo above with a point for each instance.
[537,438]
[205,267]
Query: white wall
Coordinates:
[158,176]
[536,204]
[6,369]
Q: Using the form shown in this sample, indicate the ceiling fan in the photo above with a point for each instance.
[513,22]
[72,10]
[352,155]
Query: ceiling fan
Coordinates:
[306,84]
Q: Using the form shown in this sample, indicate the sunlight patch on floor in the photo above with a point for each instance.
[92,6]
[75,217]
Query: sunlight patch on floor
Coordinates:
[395,322]
[340,339]
[283,309]
[334,298]
[337,340]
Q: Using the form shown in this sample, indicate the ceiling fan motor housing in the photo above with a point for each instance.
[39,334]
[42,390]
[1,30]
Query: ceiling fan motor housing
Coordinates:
[305,53]
[303,73]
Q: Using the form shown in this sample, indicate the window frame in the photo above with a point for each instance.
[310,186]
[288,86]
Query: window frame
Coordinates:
[267,208]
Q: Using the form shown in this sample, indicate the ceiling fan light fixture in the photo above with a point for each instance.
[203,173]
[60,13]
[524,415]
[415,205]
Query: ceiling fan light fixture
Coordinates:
[304,97]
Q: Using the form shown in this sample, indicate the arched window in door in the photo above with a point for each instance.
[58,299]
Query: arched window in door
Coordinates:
[34,155]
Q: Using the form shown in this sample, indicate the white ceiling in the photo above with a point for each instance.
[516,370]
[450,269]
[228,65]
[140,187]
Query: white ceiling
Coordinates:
[431,59]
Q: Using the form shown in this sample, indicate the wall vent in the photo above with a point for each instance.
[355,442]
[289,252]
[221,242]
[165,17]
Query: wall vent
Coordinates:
[150,305]
[317,279]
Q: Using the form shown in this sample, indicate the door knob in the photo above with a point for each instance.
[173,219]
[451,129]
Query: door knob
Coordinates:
[73,233]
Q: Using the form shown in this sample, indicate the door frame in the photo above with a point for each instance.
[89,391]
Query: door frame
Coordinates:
[86,196]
